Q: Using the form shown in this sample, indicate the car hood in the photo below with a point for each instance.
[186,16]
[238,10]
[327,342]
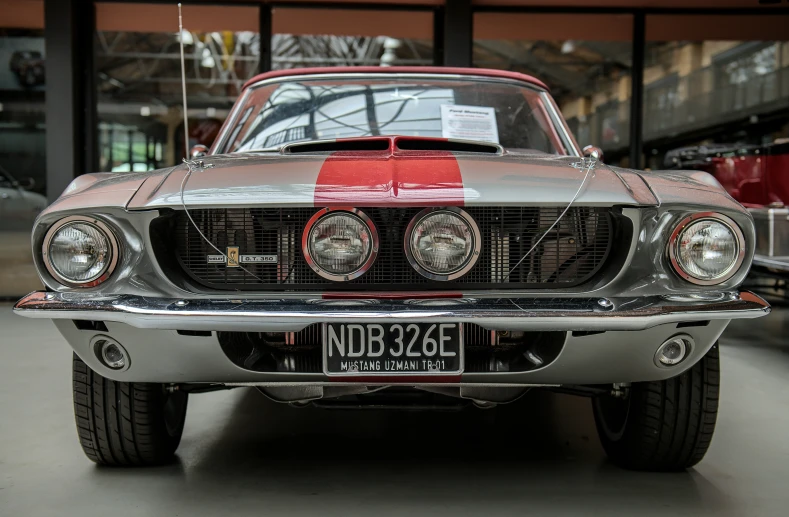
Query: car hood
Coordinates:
[390,178]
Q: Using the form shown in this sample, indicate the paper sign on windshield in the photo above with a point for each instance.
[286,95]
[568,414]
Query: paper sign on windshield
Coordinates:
[469,123]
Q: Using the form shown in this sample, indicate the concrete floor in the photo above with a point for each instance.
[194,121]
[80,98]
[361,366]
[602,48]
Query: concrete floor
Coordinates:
[243,455]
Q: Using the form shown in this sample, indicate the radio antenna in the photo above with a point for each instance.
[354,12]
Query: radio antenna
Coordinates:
[192,165]
[183,81]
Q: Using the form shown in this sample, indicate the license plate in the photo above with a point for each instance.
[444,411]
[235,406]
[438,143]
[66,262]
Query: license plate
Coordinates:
[392,349]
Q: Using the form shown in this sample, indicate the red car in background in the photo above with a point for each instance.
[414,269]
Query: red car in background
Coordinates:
[757,177]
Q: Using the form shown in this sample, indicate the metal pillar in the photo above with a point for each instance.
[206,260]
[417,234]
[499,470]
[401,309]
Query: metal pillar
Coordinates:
[265,38]
[637,91]
[458,33]
[438,35]
[70,92]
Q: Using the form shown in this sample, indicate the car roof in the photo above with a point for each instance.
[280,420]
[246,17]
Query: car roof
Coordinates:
[485,72]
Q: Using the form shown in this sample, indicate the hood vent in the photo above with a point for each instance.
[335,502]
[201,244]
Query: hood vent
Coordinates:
[396,143]
[429,144]
[330,146]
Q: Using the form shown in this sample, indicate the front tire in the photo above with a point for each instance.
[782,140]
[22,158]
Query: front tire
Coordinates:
[662,425]
[126,423]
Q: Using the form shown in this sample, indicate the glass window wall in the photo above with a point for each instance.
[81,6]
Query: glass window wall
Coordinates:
[351,37]
[22,144]
[716,91]
[585,60]
[138,70]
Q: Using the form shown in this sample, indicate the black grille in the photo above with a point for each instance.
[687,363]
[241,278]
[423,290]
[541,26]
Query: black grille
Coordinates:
[571,253]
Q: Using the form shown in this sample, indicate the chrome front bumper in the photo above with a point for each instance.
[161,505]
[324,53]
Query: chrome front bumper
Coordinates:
[621,349]
[286,315]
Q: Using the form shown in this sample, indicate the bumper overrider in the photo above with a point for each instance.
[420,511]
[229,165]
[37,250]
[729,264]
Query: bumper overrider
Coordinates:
[605,341]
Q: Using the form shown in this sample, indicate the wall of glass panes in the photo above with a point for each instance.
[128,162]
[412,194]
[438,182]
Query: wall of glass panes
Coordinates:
[22,144]
[350,37]
[137,55]
[723,83]
[585,60]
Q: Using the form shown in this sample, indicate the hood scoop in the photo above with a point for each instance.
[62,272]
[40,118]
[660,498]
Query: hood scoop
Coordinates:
[392,144]
[331,146]
[436,144]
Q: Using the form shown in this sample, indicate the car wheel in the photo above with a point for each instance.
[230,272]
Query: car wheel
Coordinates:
[662,425]
[126,423]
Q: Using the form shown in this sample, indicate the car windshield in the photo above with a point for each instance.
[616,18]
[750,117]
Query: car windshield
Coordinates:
[506,113]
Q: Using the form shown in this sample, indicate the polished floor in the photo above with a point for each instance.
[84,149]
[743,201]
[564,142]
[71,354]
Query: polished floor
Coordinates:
[244,455]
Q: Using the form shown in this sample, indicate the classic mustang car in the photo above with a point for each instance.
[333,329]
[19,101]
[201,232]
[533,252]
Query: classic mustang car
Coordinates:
[404,237]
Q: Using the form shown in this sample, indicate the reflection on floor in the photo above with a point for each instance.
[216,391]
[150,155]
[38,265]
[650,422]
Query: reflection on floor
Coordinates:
[242,454]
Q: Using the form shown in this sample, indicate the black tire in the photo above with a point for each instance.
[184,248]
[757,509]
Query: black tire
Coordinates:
[663,425]
[124,423]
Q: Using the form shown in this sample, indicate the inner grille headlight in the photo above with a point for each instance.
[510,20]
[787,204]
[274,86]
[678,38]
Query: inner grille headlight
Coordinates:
[80,251]
[442,243]
[340,244]
[706,248]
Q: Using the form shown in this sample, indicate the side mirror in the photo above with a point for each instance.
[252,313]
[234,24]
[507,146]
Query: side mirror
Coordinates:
[595,152]
[198,150]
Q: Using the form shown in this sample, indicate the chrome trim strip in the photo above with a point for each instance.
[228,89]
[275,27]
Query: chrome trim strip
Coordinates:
[771,226]
[230,123]
[779,263]
[282,315]
[561,123]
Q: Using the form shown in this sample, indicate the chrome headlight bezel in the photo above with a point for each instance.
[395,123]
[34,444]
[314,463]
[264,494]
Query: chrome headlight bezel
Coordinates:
[469,263]
[99,225]
[675,241]
[336,277]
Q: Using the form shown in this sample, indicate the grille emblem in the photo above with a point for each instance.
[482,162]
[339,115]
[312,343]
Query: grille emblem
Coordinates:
[234,259]
[259,259]
[232,256]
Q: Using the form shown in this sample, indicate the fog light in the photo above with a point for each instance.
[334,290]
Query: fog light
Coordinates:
[113,356]
[110,353]
[673,351]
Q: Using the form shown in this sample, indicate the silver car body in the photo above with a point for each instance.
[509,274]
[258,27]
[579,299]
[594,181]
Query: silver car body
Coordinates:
[611,327]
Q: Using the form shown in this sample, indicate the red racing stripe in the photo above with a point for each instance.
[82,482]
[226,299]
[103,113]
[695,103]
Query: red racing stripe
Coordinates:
[386,178]
[392,295]
[389,178]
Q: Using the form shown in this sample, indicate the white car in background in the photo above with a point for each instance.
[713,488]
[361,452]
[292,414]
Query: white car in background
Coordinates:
[18,206]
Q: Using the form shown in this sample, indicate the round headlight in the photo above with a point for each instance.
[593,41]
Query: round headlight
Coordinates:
[706,248]
[80,251]
[442,243]
[340,243]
